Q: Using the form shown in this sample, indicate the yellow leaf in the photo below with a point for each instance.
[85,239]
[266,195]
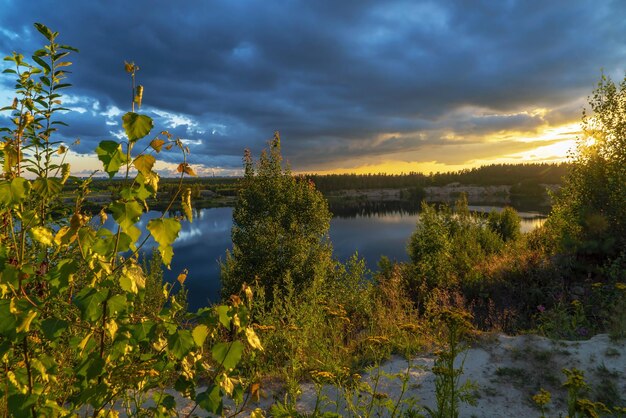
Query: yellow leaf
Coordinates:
[253,339]
[235,300]
[42,235]
[65,172]
[144,163]
[227,384]
[257,413]
[199,334]
[62,149]
[84,342]
[157,144]
[132,278]
[103,216]
[189,170]
[111,327]
[182,277]
[65,236]
[13,306]
[186,203]
[248,291]
[255,391]
[184,167]
[151,180]
[139,95]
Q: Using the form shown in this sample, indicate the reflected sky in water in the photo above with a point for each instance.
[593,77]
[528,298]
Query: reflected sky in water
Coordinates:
[204,242]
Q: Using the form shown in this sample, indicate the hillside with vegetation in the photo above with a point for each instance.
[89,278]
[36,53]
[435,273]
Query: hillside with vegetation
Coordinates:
[87,329]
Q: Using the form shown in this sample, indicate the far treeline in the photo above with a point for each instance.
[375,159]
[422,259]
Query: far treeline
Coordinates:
[488,175]
[529,174]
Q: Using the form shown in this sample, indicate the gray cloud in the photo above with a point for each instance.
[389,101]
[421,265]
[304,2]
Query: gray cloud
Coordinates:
[333,77]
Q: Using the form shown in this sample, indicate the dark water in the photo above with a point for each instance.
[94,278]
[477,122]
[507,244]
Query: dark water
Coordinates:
[202,243]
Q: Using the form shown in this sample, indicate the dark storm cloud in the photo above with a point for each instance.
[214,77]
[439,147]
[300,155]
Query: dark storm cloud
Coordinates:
[340,80]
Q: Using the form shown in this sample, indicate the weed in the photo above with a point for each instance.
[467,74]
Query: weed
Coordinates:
[542,399]
[449,393]
[577,406]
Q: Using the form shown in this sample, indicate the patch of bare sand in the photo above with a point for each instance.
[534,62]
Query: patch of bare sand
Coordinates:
[507,371]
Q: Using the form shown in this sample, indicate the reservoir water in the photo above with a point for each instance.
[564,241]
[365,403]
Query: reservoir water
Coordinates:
[204,242]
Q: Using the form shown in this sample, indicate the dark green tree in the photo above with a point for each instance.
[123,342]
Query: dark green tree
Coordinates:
[280,228]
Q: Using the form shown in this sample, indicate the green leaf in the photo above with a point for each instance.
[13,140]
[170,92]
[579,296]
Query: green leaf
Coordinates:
[53,328]
[111,155]
[224,317]
[104,244]
[164,231]
[15,191]
[8,320]
[210,400]
[43,29]
[127,214]
[199,334]
[47,187]
[91,367]
[140,191]
[143,330]
[117,305]
[42,64]
[136,126]
[62,274]
[227,354]
[20,405]
[144,163]
[89,302]
[180,343]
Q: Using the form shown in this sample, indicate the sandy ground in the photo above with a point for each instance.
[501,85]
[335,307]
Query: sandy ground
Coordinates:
[506,370]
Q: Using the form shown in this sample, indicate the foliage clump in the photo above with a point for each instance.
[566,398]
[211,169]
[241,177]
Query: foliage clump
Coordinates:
[447,244]
[83,328]
[589,215]
[280,228]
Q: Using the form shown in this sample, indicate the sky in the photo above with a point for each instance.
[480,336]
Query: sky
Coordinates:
[351,85]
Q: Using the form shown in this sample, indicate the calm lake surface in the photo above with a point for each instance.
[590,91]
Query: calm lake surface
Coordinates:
[204,242]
